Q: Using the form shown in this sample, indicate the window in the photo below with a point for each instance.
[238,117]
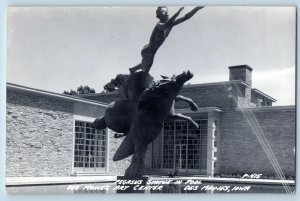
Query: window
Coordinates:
[184,147]
[90,148]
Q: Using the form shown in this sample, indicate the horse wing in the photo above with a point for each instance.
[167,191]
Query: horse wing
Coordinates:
[126,149]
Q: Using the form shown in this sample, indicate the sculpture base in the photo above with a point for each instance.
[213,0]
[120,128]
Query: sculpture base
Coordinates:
[131,184]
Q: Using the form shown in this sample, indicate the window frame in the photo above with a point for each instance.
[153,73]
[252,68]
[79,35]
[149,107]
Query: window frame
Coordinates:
[75,170]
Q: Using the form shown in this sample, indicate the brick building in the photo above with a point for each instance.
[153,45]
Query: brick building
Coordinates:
[49,134]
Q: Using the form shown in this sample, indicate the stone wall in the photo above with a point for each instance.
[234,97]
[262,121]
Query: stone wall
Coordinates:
[242,96]
[39,135]
[245,132]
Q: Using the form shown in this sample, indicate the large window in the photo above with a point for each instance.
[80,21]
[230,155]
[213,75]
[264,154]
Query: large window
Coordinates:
[90,149]
[184,147]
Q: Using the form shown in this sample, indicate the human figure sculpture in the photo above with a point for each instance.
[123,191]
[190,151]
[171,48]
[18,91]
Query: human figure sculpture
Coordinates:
[159,34]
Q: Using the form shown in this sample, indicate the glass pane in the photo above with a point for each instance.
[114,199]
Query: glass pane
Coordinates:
[183,144]
[87,142]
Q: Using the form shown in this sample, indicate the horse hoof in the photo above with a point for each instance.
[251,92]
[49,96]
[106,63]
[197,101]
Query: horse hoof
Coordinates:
[118,135]
[194,107]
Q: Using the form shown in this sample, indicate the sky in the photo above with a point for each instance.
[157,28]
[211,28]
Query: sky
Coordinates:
[59,49]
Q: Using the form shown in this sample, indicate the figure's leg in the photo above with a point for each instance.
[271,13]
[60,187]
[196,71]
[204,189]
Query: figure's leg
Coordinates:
[183,117]
[192,104]
[135,68]
[147,61]
[147,64]
[99,123]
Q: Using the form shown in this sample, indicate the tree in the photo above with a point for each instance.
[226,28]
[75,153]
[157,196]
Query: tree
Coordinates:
[85,90]
[80,90]
[115,84]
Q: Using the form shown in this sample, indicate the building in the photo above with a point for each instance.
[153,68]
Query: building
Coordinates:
[49,134]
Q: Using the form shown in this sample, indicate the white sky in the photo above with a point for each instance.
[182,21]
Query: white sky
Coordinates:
[58,49]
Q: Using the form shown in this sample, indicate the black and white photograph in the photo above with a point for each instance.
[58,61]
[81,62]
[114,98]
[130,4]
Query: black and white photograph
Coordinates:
[151,99]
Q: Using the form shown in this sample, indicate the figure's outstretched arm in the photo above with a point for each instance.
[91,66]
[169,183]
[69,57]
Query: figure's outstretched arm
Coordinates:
[170,22]
[187,16]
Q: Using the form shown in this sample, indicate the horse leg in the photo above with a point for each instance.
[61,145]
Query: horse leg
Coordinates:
[119,135]
[99,123]
[183,117]
[192,104]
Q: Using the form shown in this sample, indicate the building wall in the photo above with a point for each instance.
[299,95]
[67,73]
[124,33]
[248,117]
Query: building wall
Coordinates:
[104,98]
[242,97]
[208,96]
[87,110]
[242,152]
[260,100]
[39,135]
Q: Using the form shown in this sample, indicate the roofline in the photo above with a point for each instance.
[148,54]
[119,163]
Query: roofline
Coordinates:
[263,94]
[200,110]
[217,83]
[195,85]
[53,94]
[185,86]
[265,108]
[101,93]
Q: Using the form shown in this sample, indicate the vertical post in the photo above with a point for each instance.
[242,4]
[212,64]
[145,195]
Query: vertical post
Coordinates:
[174,146]
[107,149]
[148,158]
[210,141]
[217,144]
[162,148]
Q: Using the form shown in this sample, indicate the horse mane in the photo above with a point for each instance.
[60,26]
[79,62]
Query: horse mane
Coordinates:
[160,82]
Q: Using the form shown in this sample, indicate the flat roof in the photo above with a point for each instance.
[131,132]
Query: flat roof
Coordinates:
[263,94]
[217,83]
[54,95]
[266,108]
[200,110]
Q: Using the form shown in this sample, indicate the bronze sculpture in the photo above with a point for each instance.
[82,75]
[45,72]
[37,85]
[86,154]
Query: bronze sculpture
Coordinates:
[144,106]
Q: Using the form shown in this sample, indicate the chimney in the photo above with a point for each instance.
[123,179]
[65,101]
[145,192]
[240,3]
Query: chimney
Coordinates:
[241,72]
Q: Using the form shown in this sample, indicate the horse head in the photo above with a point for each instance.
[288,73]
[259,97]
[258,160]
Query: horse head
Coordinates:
[183,77]
[176,81]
